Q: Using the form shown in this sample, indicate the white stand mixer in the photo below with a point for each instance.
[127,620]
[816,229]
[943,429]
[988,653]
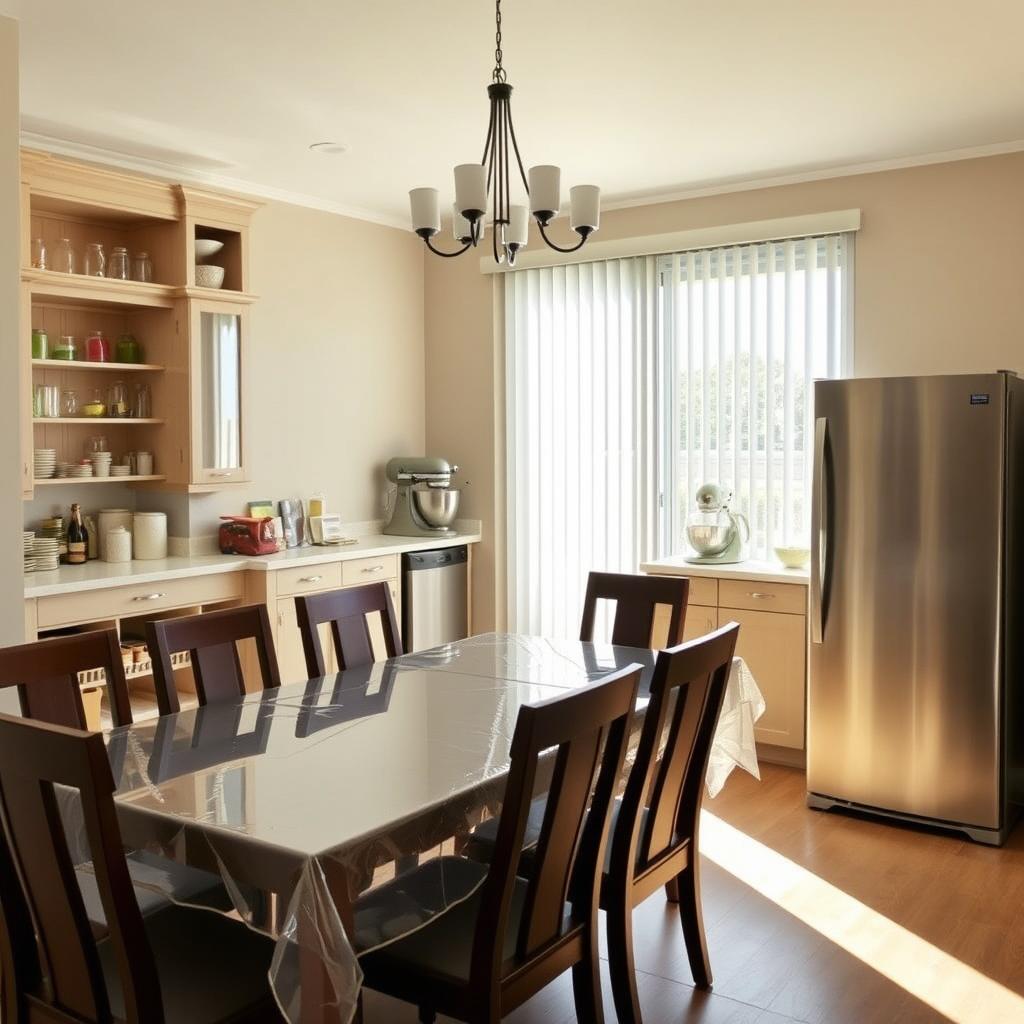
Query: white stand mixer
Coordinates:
[717,535]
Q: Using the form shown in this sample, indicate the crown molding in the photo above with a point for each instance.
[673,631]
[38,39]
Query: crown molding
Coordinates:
[821,174]
[190,176]
[182,175]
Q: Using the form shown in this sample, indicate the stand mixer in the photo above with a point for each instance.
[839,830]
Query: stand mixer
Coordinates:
[425,503]
[716,534]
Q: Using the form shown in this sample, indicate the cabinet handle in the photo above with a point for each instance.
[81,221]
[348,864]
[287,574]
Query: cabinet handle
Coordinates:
[220,474]
[310,579]
[150,597]
[758,596]
[374,568]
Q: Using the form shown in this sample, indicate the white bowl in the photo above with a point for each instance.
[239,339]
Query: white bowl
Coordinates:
[209,276]
[207,247]
[793,558]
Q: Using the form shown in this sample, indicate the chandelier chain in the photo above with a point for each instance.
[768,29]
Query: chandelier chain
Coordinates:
[498,75]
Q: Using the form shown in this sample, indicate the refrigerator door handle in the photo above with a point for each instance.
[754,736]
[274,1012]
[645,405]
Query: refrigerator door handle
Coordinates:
[819,531]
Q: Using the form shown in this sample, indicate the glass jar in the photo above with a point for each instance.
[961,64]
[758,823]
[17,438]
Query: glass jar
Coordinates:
[40,344]
[128,350]
[117,400]
[97,348]
[95,264]
[95,406]
[66,349]
[143,402]
[96,443]
[69,403]
[38,254]
[142,267]
[118,267]
[65,259]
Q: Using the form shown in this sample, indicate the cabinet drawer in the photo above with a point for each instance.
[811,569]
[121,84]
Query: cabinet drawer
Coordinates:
[703,591]
[762,597]
[137,599]
[367,570]
[308,579]
[700,620]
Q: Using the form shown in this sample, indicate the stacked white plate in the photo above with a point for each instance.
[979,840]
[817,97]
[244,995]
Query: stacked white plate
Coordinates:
[120,470]
[44,463]
[101,463]
[28,539]
[45,553]
[80,469]
[62,468]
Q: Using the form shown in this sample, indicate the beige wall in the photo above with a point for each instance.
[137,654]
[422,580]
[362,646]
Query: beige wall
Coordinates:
[12,621]
[938,289]
[337,375]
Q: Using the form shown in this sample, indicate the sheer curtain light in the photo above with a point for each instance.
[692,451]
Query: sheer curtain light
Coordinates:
[631,382]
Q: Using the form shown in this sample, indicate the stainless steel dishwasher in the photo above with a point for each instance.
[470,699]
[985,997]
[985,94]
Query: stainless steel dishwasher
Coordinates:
[434,597]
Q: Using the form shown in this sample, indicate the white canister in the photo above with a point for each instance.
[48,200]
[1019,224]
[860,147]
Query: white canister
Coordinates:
[149,534]
[110,519]
[144,463]
[118,542]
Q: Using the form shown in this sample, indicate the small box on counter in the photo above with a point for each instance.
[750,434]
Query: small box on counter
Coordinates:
[245,535]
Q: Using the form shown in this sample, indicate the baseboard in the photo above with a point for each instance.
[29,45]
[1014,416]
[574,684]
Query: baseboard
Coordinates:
[785,756]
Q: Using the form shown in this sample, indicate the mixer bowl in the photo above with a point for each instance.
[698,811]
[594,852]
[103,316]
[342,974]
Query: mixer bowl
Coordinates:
[709,539]
[437,505]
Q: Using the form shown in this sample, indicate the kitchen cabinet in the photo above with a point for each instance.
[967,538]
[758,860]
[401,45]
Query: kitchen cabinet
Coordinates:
[291,658]
[773,642]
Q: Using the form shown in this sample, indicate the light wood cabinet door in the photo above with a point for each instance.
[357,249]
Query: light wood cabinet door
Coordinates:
[700,620]
[774,647]
[290,655]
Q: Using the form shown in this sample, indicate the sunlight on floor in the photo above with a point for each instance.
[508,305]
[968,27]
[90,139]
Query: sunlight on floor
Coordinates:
[948,985]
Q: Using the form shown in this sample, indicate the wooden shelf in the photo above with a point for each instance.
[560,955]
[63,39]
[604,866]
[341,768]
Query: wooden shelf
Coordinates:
[81,364]
[77,289]
[117,421]
[76,480]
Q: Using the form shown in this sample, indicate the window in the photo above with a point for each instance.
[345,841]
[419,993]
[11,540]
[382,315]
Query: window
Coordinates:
[631,382]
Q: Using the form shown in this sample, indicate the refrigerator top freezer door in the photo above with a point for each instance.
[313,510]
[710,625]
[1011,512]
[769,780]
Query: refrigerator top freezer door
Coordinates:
[905,663]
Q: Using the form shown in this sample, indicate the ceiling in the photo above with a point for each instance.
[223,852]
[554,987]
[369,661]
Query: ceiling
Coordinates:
[645,98]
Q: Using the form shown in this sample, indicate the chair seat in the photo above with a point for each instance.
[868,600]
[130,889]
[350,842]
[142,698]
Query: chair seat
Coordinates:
[158,883]
[212,969]
[441,949]
[486,833]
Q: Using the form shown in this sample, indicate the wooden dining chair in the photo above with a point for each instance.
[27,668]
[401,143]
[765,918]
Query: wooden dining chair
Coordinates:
[346,611]
[178,966]
[654,840]
[46,675]
[211,640]
[492,951]
[636,602]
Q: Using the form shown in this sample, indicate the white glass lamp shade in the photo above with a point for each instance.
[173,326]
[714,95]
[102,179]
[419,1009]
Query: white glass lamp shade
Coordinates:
[471,189]
[518,229]
[462,229]
[545,191]
[585,208]
[426,211]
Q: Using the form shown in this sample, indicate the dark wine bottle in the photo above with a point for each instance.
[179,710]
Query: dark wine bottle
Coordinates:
[78,538]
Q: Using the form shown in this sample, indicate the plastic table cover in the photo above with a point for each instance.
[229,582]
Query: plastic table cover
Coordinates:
[323,806]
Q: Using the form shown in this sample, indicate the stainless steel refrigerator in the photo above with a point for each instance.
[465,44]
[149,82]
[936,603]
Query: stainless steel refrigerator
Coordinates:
[914,699]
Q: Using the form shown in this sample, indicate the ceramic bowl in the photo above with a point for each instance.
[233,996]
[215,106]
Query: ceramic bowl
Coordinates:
[209,276]
[207,247]
[793,558]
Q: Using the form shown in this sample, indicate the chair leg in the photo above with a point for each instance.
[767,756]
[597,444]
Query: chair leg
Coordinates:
[672,890]
[586,982]
[427,1015]
[619,919]
[691,915]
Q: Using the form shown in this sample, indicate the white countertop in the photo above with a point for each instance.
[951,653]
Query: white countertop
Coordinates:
[751,569]
[97,575]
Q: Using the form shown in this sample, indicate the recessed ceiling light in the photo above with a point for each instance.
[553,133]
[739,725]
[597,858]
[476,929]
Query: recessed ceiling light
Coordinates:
[329,148]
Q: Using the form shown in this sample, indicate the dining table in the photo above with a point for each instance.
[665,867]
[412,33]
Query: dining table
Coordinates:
[315,804]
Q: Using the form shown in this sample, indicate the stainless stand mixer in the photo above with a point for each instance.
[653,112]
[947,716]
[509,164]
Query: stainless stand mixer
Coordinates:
[425,503]
[716,534]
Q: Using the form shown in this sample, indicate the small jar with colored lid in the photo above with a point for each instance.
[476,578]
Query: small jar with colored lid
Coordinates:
[128,350]
[65,349]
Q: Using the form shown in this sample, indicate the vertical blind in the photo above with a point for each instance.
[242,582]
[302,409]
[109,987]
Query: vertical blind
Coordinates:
[630,382]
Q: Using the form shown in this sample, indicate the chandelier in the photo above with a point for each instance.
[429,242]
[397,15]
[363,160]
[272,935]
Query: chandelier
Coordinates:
[475,182]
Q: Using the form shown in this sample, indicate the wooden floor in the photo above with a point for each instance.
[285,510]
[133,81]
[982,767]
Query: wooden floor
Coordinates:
[934,913]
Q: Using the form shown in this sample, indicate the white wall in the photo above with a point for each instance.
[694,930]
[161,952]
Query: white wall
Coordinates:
[12,615]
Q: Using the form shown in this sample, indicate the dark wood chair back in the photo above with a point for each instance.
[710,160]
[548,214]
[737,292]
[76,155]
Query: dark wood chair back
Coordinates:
[211,640]
[583,733]
[686,697]
[636,600]
[346,611]
[46,675]
[51,965]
